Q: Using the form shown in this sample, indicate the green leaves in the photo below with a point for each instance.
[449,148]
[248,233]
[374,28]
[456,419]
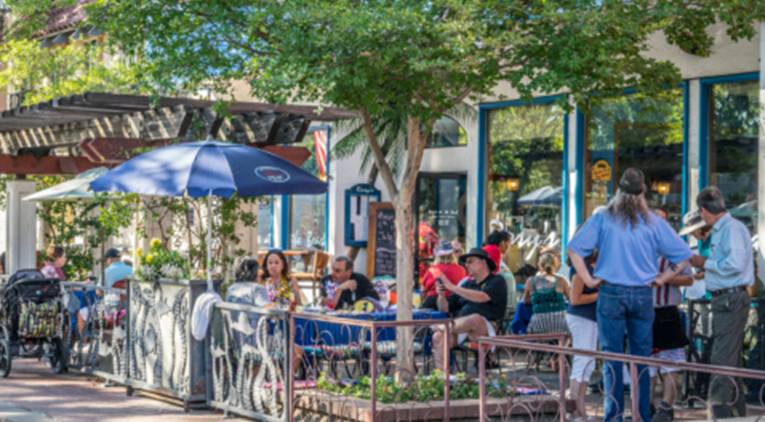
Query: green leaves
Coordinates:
[58,72]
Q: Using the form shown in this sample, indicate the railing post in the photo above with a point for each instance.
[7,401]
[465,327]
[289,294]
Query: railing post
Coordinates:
[635,392]
[289,390]
[373,371]
[447,368]
[481,379]
[562,380]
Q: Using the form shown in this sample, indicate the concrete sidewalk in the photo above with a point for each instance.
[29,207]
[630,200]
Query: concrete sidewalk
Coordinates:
[33,393]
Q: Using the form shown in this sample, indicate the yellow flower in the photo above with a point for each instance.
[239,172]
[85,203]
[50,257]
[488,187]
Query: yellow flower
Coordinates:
[503,375]
[138,252]
[155,243]
[149,258]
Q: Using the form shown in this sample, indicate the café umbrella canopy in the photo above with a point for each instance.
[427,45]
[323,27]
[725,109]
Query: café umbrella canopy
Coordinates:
[208,168]
[546,196]
[76,189]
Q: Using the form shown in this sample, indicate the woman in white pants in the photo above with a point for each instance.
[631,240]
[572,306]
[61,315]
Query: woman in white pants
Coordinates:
[581,317]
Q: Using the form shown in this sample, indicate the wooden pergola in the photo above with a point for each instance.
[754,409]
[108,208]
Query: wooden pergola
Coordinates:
[72,134]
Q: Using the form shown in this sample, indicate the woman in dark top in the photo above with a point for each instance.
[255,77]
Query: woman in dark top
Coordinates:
[582,323]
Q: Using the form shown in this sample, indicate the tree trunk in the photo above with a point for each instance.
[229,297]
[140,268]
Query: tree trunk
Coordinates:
[404,286]
[402,201]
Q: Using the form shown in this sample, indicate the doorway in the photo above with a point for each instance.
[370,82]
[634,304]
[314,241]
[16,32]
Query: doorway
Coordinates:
[440,214]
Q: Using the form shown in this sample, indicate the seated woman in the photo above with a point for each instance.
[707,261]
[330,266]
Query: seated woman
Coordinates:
[55,259]
[547,293]
[282,287]
[446,264]
[248,290]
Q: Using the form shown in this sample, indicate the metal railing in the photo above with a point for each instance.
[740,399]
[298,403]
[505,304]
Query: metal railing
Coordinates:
[519,347]
[343,353]
[95,335]
[248,361]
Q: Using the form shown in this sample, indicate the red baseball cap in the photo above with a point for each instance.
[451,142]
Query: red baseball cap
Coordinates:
[495,254]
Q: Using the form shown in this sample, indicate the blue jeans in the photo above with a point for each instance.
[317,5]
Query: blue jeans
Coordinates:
[623,310]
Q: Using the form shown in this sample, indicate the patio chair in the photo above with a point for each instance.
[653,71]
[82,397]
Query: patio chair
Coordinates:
[317,268]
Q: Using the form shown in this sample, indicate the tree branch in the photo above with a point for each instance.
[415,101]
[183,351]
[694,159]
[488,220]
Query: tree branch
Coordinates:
[377,152]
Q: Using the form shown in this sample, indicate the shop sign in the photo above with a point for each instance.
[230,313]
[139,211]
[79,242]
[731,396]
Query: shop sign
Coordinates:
[601,171]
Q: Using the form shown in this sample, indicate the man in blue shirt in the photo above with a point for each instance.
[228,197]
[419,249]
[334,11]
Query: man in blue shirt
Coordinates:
[628,238]
[116,270]
[728,271]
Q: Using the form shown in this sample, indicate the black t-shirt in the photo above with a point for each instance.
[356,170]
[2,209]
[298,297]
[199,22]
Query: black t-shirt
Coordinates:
[493,310]
[364,289]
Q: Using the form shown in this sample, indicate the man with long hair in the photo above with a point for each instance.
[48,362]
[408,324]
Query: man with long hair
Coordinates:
[628,238]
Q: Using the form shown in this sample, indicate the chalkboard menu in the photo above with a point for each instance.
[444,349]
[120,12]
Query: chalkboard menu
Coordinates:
[381,252]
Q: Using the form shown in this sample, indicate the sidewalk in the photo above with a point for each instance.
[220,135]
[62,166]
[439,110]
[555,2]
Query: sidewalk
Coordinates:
[33,393]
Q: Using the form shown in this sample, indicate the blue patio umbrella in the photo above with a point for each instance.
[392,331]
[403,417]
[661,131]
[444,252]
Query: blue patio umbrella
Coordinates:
[209,168]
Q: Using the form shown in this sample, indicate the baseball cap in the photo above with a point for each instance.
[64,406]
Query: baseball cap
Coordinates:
[632,181]
[112,253]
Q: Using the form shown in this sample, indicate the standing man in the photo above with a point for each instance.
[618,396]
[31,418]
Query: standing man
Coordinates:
[628,238]
[729,270]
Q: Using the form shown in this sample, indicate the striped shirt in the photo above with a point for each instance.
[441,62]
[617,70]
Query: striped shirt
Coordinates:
[667,295]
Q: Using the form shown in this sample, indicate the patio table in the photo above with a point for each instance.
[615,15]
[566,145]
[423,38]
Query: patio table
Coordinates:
[309,332]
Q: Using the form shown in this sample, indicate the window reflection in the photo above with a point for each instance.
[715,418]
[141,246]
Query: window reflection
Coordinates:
[733,130]
[635,131]
[525,168]
[308,212]
[264,225]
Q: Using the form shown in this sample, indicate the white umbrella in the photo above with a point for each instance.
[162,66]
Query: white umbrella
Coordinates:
[71,190]
[77,189]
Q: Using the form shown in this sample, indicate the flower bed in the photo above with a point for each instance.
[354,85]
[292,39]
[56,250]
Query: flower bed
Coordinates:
[422,389]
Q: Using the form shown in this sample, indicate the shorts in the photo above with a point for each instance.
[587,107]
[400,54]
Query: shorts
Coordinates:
[672,355]
[490,330]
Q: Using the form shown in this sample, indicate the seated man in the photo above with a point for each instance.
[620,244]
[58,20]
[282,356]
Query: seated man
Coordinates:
[115,271]
[479,303]
[344,287]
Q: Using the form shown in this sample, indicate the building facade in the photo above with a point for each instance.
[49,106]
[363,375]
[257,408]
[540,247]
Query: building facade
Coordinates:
[539,173]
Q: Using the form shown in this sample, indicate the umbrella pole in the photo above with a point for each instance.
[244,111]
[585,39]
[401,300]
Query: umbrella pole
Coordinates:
[209,242]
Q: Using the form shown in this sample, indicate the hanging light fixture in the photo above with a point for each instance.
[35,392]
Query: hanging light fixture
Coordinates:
[46,43]
[61,39]
[663,188]
[511,185]
[95,31]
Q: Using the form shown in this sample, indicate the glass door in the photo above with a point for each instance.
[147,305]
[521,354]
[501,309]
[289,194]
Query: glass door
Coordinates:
[440,207]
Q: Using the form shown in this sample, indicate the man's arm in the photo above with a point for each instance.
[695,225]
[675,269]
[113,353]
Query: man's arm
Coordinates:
[581,270]
[683,278]
[442,303]
[471,295]
[671,272]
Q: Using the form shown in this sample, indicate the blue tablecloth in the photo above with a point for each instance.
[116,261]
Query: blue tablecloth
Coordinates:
[309,333]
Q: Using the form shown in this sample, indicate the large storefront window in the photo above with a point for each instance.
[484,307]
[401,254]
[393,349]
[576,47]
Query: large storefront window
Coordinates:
[525,169]
[446,133]
[441,201]
[634,131]
[308,212]
[732,138]
[264,226]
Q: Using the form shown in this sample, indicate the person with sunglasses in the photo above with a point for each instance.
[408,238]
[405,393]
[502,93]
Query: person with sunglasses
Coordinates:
[343,287]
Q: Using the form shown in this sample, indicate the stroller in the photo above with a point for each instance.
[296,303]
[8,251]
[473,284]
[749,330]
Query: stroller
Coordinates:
[29,320]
